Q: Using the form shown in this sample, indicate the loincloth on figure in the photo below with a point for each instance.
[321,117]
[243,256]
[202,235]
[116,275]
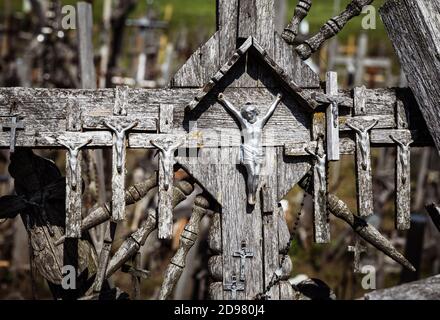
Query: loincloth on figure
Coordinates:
[250,155]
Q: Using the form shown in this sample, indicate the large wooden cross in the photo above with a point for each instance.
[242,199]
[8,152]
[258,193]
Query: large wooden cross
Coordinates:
[251,64]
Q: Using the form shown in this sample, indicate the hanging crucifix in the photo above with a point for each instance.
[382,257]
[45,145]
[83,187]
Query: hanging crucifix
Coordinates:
[403,183]
[251,149]
[243,253]
[118,159]
[363,164]
[73,191]
[166,173]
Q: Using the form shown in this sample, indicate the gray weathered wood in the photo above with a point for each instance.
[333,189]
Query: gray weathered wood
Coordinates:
[85,44]
[403,183]
[187,240]
[413,27]
[332,117]
[292,29]
[331,28]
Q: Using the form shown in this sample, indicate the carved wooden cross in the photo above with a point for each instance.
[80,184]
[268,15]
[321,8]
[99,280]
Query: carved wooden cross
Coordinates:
[243,254]
[13,127]
[357,250]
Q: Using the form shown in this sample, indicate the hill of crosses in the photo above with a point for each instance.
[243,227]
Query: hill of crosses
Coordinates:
[246,120]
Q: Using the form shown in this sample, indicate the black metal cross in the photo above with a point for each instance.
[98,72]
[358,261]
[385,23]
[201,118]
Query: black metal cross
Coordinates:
[243,254]
[234,287]
[13,127]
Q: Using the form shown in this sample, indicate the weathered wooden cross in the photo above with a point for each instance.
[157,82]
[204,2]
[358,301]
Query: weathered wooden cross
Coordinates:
[248,62]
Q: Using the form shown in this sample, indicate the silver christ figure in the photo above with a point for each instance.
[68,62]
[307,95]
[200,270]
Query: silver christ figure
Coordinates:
[251,149]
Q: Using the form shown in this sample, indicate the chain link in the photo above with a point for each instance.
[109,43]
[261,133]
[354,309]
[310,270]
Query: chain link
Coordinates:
[276,277]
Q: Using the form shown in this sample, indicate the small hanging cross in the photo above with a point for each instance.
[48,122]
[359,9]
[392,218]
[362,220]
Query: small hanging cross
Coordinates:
[243,254]
[15,125]
[233,286]
[357,249]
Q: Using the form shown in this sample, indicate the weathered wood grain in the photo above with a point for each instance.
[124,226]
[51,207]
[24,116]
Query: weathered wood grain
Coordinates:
[187,240]
[413,27]
[364,178]
[332,118]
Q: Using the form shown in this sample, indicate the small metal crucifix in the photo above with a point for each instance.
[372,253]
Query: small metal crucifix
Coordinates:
[243,254]
[15,125]
[234,287]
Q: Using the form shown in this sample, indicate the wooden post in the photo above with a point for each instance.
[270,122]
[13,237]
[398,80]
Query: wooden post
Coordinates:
[413,27]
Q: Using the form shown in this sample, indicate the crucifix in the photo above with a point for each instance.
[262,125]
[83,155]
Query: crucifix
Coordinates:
[403,183]
[251,150]
[74,187]
[322,230]
[118,155]
[357,250]
[15,125]
[362,126]
[243,254]
[234,287]
[166,174]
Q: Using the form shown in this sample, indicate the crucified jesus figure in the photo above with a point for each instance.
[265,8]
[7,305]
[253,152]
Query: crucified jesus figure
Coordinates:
[251,149]
[119,133]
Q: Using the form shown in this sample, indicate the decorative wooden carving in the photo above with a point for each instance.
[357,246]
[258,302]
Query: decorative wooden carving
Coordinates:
[251,151]
[292,29]
[130,246]
[187,240]
[331,28]
[321,224]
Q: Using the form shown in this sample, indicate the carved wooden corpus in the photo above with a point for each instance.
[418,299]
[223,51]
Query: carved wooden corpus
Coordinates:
[291,31]
[73,187]
[331,28]
[403,183]
[187,240]
[118,171]
[364,179]
[166,175]
[321,223]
